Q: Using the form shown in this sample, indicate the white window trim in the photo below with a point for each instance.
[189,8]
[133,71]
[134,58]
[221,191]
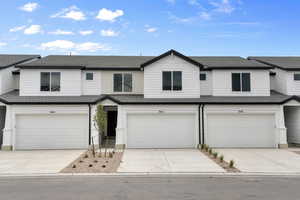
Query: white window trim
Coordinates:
[113,83]
[177,91]
[241,82]
[50,90]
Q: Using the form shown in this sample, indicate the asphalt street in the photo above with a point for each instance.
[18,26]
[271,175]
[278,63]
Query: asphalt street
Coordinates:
[150,187]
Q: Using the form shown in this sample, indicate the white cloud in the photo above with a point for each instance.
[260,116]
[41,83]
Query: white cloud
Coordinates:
[243,23]
[29,7]
[109,33]
[91,47]
[87,32]
[66,45]
[33,29]
[109,15]
[58,45]
[61,32]
[222,6]
[3,44]
[151,29]
[205,16]
[72,12]
[17,28]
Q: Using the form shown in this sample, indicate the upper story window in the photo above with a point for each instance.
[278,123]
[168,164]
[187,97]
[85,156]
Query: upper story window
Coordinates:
[202,77]
[50,81]
[297,77]
[122,82]
[172,80]
[241,82]
[89,76]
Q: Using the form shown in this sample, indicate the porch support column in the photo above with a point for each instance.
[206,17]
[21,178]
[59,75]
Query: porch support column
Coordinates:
[281,129]
[94,131]
[7,144]
[120,130]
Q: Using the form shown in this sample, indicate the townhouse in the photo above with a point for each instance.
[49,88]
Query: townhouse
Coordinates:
[165,101]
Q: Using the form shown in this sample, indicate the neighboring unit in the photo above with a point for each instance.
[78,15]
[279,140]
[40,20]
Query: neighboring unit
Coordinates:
[167,101]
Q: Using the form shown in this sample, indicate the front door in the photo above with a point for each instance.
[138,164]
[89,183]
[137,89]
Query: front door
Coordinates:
[111,123]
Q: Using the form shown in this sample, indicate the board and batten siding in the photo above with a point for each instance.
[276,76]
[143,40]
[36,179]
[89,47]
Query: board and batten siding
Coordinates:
[222,85]
[153,78]
[107,84]
[91,87]
[70,82]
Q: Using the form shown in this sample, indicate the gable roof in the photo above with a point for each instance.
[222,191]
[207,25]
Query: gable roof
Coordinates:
[282,62]
[88,62]
[139,62]
[8,60]
[228,62]
[171,52]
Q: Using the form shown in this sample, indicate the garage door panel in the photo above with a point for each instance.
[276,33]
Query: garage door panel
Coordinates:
[241,130]
[52,131]
[161,131]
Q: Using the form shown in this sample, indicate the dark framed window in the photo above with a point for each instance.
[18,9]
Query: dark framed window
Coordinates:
[172,80]
[55,81]
[50,81]
[167,80]
[177,80]
[241,82]
[45,81]
[202,77]
[89,76]
[122,82]
[297,77]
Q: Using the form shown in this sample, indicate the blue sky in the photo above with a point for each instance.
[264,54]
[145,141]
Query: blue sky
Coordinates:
[150,27]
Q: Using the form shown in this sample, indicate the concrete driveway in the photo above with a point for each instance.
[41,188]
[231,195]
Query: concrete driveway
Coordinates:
[263,160]
[45,161]
[166,160]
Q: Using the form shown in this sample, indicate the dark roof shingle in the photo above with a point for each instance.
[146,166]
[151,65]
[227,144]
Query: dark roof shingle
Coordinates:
[283,62]
[7,60]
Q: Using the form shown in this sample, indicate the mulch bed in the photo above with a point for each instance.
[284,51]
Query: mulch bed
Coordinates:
[87,163]
[224,164]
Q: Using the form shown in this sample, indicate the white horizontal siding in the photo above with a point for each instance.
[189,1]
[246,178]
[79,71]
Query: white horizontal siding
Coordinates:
[7,82]
[91,87]
[153,78]
[222,85]
[292,86]
[70,83]
[206,86]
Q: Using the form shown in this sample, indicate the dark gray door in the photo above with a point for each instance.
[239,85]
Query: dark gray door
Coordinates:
[2,123]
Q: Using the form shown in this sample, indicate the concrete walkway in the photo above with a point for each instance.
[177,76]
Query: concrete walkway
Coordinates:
[166,160]
[36,162]
[263,160]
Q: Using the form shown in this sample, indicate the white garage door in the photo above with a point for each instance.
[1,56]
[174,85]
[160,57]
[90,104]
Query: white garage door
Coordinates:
[161,131]
[241,130]
[52,131]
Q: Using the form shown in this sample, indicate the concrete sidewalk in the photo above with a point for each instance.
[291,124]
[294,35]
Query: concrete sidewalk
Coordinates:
[167,160]
[263,160]
[36,162]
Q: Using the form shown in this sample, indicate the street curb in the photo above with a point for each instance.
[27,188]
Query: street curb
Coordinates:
[142,174]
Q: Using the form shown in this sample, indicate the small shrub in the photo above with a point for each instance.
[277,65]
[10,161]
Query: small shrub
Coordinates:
[202,146]
[86,156]
[90,165]
[95,161]
[231,164]
[81,161]
[215,154]
[103,166]
[210,151]
[206,148]
[73,166]
[221,158]
[110,154]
